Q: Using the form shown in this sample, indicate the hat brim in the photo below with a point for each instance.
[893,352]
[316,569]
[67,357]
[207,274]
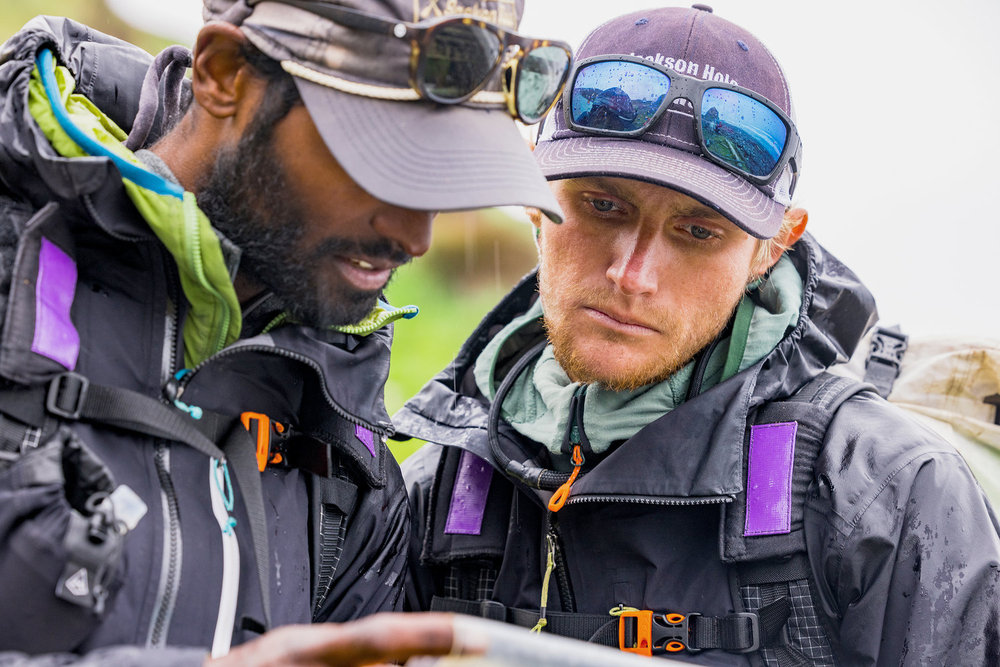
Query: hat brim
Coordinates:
[426,156]
[735,198]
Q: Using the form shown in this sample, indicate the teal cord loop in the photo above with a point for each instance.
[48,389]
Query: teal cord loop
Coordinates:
[193,410]
[225,491]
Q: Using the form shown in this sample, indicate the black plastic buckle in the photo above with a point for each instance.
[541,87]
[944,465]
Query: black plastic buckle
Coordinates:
[671,633]
[66,395]
[887,347]
[754,631]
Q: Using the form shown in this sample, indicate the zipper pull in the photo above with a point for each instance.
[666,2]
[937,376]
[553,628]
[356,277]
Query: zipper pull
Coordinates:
[574,439]
[550,564]
[561,495]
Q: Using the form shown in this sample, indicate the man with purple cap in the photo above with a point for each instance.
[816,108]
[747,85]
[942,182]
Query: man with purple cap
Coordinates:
[641,445]
[193,343]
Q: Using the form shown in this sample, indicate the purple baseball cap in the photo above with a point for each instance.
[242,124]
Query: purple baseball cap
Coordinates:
[404,151]
[697,43]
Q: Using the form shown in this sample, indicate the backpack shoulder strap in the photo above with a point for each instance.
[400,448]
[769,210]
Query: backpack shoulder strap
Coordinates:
[764,538]
[782,441]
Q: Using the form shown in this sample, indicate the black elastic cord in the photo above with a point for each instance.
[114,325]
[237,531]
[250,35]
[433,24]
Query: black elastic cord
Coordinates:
[533,476]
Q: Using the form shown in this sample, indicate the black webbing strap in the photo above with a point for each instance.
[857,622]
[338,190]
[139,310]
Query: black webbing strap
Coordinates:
[735,633]
[71,396]
[241,452]
[885,357]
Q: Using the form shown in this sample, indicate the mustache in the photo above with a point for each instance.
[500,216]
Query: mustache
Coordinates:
[382,249]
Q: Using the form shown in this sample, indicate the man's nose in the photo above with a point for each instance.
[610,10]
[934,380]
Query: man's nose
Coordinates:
[635,263]
[409,228]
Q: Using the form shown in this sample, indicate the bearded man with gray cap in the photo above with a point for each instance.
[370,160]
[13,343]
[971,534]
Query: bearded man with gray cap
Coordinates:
[194,349]
[646,424]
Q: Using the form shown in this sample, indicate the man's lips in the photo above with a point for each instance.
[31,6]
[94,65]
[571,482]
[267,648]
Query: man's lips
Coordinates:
[366,273]
[619,321]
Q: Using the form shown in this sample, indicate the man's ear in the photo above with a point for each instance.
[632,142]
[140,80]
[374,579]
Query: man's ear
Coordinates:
[791,231]
[220,72]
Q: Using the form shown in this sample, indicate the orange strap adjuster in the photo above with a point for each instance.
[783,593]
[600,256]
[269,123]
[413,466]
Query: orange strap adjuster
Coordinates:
[262,428]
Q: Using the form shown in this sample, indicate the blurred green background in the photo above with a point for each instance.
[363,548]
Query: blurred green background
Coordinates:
[475,258]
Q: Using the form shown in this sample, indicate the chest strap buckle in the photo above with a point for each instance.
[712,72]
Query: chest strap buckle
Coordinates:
[66,395]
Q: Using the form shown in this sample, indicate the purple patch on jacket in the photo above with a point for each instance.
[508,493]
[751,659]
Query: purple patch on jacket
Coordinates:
[468,497]
[769,479]
[366,437]
[55,336]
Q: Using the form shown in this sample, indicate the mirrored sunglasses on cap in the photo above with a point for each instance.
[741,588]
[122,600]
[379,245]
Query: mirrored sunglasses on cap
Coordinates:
[452,59]
[624,96]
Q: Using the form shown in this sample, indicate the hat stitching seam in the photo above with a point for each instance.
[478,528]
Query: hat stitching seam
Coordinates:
[781,78]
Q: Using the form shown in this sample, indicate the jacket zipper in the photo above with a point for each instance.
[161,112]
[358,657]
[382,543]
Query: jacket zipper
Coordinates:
[170,568]
[384,431]
[166,596]
[646,500]
[169,359]
[566,598]
[555,556]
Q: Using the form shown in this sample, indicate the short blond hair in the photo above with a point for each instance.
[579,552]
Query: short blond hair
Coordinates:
[767,248]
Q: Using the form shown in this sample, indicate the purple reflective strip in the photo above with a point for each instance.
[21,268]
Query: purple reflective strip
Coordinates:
[55,335]
[468,497]
[366,437]
[769,479]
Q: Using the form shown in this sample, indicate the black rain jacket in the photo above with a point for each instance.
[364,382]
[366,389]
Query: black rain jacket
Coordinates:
[902,545]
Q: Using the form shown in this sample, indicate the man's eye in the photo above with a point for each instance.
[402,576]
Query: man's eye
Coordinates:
[603,205]
[700,233]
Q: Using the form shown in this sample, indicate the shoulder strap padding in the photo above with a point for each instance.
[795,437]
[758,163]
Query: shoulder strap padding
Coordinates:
[811,409]
[445,542]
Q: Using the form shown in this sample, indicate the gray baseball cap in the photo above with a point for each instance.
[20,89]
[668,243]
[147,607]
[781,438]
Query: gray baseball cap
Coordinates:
[702,45]
[408,152]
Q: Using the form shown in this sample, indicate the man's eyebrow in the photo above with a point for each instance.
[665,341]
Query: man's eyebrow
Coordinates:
[697,211]
[604,183]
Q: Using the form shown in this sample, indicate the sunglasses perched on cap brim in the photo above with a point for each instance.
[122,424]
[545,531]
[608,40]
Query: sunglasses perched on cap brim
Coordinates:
[738,129]
[453,58]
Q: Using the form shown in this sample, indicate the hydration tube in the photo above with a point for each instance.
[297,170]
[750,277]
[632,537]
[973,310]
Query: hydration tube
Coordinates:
[141,177]
[531,475]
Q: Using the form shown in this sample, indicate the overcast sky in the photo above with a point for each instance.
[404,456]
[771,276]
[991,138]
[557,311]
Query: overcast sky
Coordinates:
[897,104]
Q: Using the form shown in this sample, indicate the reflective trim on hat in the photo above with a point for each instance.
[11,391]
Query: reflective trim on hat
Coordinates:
[351,87]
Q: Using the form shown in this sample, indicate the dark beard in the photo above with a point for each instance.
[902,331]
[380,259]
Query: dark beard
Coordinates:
[246,197]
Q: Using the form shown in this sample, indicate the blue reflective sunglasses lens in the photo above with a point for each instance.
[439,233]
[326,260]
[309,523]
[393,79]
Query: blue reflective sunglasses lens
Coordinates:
[617,95]
[540,75]
[741,131]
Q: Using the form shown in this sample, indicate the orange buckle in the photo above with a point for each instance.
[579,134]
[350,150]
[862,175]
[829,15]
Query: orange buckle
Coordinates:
[640,639]
[260,427]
